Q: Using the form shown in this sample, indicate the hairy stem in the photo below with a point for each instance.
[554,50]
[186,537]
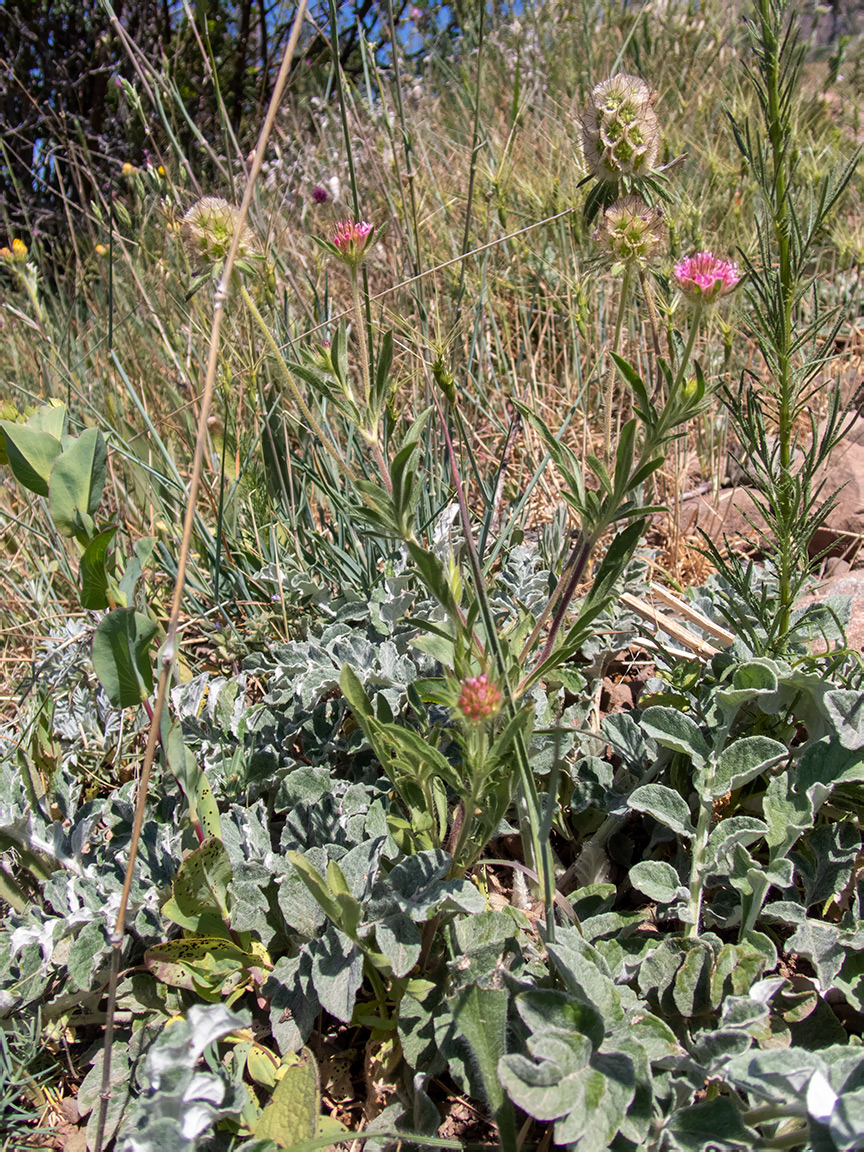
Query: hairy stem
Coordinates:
[613,371]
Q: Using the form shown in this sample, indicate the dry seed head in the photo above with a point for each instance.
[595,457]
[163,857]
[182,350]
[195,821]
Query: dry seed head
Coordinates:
[620,134]
[631,231]
[208,229]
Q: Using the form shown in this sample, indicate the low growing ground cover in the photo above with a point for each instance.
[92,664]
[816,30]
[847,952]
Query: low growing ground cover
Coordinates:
[319,824]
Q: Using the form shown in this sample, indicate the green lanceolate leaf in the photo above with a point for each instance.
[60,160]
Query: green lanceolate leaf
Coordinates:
[480,1016]
[93,573]
[76,483]
[121,656]
[203,809]
[317,886]
[354,692]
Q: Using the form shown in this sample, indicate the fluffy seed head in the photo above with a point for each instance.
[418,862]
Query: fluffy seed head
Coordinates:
[631,231]
[351,239]
[208,229]
[620,134]
[706,277]
[479,699]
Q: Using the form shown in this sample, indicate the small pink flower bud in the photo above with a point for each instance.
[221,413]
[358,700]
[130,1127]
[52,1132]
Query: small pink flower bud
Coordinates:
[706,276]
[479,699]
[351,239]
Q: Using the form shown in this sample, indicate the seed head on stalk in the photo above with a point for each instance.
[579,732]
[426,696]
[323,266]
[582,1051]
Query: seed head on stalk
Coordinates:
[208,229]
[631,231]
[620,132]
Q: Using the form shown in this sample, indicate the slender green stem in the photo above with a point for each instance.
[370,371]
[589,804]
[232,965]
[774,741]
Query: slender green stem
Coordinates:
[370,431]
[655,325]
[361,341]
[770,28]
[289,380]
[695,320]
[475,151]
[613,371]
[705,790]
[530,815]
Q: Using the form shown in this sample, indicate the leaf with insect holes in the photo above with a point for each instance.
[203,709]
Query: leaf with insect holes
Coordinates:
[291,1115]
[201,887]
[202,964]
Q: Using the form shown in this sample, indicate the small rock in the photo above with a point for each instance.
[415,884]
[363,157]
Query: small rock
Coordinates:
[69,1108]
[615,697]
[735,512]
[836,566]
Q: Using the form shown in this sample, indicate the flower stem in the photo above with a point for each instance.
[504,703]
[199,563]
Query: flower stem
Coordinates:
[610,383]
[364,351]
[289,379]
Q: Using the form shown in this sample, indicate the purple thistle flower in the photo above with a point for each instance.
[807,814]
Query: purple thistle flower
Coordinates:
[706,276]
[319,194]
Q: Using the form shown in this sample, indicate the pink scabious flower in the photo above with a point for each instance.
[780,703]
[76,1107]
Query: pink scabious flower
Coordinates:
[351,239]
[479,699]
[706,277]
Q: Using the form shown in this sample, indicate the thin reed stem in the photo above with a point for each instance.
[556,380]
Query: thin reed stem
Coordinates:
[169,649]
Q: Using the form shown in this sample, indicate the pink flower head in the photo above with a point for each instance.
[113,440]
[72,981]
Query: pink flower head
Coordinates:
[351,239]
[319,195]
[706,276]
[479,699]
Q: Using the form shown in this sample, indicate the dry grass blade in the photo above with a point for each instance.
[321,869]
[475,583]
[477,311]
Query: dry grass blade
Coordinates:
[169,649]
[678,633]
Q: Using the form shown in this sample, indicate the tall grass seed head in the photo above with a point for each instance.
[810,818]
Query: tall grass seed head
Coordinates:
[208,229]
[631,231]
[444,378]
[705,277]
[620,131]
[479,699]
[351,240]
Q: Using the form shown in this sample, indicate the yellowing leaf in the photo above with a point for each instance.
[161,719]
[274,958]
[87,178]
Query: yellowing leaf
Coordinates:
[292,1114]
